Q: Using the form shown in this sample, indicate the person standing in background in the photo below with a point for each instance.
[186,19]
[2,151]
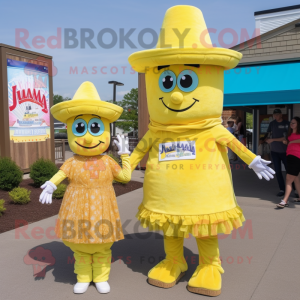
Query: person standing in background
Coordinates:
[276,134]
[263,149]
[234,125]
[230,123]
[231,155]
[239,132]
[292,161]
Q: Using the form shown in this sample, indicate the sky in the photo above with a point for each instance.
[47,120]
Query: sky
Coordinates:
[44,19]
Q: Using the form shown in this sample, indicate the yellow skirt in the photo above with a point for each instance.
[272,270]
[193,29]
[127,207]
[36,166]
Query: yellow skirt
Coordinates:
[198,226]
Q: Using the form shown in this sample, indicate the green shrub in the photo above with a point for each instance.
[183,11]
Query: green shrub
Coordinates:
[10,174]
[42,170]
[60,191]
[2,208]
[20,195]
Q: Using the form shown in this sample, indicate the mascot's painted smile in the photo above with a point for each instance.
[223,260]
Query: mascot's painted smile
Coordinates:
[178,110]
[90,147]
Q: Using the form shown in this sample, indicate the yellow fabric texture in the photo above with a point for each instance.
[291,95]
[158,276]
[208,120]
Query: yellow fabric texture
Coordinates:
[183,39]
[199,124]
[208,273]
[195,197]
[92,262]
[86,101]
[125,173]
[239,149]
[89,212]
[209,253]
[170,268]
[58,177]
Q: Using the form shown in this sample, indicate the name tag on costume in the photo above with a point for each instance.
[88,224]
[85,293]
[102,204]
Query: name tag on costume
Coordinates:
[177,150]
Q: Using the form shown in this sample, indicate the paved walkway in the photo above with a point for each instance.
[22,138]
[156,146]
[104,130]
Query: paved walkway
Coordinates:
[263,264]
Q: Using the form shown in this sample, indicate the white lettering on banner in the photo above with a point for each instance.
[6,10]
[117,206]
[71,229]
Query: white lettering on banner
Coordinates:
[177,150]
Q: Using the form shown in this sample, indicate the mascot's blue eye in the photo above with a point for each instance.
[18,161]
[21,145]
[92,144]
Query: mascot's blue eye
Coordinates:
[79,127]
[96,127]
[167,81]
[187,80]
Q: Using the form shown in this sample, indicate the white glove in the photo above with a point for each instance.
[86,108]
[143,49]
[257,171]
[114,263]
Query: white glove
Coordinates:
[259,166]
[122,145]
[46,195]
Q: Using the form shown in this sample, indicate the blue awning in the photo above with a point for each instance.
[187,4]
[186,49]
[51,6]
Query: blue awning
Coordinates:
[262,85]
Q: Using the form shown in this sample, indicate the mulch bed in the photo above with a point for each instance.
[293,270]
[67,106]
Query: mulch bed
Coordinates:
[35,211]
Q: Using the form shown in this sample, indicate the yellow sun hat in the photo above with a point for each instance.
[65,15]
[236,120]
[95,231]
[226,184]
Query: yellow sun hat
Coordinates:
[86,101]
[194,48]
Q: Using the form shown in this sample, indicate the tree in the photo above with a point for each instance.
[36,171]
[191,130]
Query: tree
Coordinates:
[129,119]
[249,121]
[59,98]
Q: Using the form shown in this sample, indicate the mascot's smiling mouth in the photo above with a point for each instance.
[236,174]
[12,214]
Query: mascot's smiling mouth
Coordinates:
[178,110]
[89,147]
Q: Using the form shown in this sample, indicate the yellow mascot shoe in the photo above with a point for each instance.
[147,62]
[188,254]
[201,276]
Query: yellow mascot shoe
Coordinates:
[206,280]
[167,273]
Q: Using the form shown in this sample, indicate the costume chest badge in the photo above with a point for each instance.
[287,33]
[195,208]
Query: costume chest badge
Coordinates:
[177,150]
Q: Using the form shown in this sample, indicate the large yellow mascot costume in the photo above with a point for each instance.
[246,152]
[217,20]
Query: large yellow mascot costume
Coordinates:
[89,221]
[188,185]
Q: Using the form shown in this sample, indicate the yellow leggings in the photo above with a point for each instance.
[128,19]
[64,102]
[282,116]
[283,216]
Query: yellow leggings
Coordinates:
[92,261]
[208,248]
[170,268]
[209,253]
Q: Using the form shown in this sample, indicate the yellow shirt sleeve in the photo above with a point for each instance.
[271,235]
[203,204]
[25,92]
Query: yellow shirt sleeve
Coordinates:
[66,167]
[140,150]
[121,174]
[225,138]
[239,149]
[58,177]
[63,173]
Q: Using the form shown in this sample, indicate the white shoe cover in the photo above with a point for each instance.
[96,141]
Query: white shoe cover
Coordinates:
[102,287]
[81,287]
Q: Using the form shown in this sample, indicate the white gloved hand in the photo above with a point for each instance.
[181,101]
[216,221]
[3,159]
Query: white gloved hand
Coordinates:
[122,144]
[46,195]
[259,166]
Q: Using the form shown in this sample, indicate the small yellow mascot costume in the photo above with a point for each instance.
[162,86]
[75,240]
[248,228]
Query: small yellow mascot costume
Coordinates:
[89,221]
[188,185]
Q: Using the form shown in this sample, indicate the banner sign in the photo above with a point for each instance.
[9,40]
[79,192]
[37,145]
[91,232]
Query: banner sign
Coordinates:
[28,101]
[177,150]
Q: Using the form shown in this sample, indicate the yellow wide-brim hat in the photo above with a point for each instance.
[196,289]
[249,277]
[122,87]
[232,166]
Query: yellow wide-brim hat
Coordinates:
[86,101]
[194,48]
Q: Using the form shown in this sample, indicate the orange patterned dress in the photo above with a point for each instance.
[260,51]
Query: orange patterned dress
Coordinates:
[89,212]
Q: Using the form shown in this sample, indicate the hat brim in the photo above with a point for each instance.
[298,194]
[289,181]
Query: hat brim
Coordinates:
[67,109]
[141,61]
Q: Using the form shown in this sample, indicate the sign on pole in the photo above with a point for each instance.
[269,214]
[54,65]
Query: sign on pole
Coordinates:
[28,100]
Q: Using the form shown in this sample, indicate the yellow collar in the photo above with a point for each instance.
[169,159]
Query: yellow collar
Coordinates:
[178,128]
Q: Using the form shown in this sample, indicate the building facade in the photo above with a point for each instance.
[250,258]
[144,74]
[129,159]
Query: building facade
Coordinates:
[266,77]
